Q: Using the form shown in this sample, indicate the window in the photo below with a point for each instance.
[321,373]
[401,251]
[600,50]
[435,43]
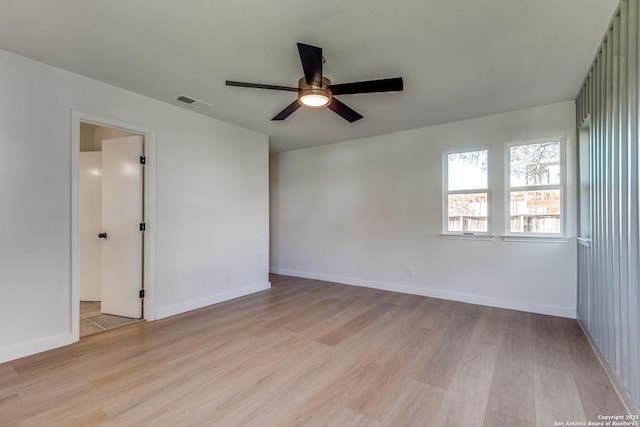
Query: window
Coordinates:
[466,192]
[536,187]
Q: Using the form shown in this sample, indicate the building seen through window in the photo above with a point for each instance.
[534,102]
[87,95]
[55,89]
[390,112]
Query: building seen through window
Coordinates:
[535,193]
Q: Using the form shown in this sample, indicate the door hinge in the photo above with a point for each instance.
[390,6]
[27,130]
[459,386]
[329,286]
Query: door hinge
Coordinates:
[141,293]
[143,160]
[143,226]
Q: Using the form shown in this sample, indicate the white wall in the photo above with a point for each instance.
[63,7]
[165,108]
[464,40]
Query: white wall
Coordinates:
[211,193]
[369,212]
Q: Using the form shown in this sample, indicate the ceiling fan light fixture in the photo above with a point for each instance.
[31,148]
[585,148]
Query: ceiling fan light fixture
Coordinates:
[314,95]
[314,100]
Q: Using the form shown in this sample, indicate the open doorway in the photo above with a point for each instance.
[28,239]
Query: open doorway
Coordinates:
[110,195]
[111,251]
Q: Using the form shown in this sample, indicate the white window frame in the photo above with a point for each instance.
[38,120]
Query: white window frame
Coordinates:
[446,192]
[561,186]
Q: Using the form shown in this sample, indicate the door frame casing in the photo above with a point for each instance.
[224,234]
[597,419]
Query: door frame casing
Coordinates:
[149,212]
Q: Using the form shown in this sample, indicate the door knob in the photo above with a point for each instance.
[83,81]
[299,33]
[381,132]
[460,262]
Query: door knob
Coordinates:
[102,235]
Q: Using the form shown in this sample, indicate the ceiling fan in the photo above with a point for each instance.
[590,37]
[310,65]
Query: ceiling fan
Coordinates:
[316,91]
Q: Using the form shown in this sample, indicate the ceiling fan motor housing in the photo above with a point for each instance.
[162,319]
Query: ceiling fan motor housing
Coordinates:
[320,95]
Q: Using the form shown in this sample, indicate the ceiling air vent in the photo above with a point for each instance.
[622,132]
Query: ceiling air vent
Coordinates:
[192,102]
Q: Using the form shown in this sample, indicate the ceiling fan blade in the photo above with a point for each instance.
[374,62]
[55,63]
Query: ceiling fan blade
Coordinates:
[289,109]
[311,58]
[383,85]
[344,111]
[261,86]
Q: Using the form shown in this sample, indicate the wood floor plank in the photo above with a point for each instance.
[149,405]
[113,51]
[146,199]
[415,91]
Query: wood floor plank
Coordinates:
[548,327]
[8,378]
[310,352]
[466,400]
[516,349]
[300,311]
[368,401]
[463,405]
[452,344]
[550,353]
[417,405]
[512,393]
[335,390]
[339,414]
[508,319]
[81,416]
[556,396]
[351,327]
[182,389]
[487,330]
[429,313]
[497,419]
[13,410]
[381,339]
[272,397]
[329,308]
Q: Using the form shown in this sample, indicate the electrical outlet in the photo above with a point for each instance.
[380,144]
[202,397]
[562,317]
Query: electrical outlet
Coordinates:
[408,271]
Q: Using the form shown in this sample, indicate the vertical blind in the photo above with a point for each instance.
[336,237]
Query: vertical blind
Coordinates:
[607,106]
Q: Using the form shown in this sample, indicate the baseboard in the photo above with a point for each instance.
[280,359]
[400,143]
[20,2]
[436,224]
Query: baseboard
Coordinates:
[615,381]
[36,346]
[172,310]
[552,310]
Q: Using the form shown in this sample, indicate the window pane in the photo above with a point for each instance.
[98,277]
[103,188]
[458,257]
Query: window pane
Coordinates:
[535,211]
[467,171]
[535,164]
[467,212]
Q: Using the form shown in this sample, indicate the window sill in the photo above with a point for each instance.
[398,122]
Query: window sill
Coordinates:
[535,239]
[471,236]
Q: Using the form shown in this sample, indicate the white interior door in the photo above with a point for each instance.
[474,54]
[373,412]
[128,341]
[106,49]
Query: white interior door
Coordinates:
[121,218]
[90,205]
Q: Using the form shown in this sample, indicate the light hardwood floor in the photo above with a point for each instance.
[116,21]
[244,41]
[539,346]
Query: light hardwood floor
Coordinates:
[316,353]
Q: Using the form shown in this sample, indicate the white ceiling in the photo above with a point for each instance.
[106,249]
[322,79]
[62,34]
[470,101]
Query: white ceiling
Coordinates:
[459,59]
